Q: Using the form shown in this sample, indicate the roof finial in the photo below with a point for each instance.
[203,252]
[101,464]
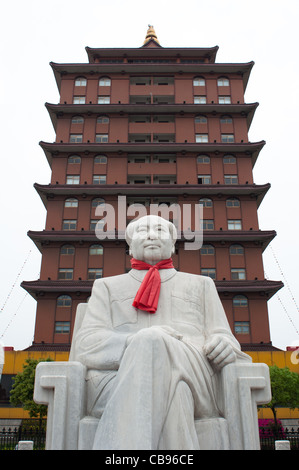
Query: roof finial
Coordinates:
[151,35]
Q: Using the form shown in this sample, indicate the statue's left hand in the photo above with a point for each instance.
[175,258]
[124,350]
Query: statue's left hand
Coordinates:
[219,352]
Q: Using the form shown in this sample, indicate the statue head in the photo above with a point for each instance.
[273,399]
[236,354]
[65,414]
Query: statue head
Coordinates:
[151,238]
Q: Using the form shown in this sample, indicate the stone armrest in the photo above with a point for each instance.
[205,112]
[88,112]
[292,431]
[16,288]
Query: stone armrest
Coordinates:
[61,386]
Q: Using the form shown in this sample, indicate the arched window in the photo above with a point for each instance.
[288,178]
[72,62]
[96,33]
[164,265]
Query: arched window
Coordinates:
[98,201]
[71,202]
[223,81]
[206,202]
[104,81]
[203,159]
[67,250]
[77,120]
[230,159]
[240,301]
[201,119]
[236,250]
[199,81]
[64,301]
[80,81]
[207,250]
[96,249]
[102,120]
[232,202]
[100,159]
[226,119]
[74,159]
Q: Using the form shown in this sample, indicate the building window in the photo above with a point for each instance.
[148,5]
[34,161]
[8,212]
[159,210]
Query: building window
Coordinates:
[74,159]
[71,202]
[207,250]
[208,224]
[98,201]
[77,120]
[200,99]
[234,225]
[101,138]
[210,272]
[68,224]
[94,273]
[201,138]
[102,159]
[73,179]
[99,179]
[242,327]
[103,99]
[223,81]
[199,81]
[240,301]
[236,250]
[224,100]
[206,202]
[99,223]
[65,274]
[80,81]
[102,120]
[229,159]
[227,138]
[62,327]
[201,119]
[104,81]
[203,159]
[64,301]
[232,202]
[230,179]
[204,179]
[96,250]
[76,138]
[67,250]
[226,120]
[238,274]
[79,100]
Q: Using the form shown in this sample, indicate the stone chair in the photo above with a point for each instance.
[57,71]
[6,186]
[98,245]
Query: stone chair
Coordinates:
[61,386]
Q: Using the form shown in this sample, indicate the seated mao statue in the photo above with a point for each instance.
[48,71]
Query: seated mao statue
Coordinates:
[153,341]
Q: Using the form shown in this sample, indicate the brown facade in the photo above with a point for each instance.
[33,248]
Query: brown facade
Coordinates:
[154,125]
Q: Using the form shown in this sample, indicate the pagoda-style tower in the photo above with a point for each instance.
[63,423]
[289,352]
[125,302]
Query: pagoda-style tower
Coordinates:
[154,125]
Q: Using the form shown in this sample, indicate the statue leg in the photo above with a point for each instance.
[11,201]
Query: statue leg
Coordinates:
[179,431]
[145,388]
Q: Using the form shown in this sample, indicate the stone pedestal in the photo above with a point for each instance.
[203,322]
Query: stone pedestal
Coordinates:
[25,445]
[282,445]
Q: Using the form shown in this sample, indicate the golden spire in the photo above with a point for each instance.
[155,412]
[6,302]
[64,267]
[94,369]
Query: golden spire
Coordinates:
[151,35]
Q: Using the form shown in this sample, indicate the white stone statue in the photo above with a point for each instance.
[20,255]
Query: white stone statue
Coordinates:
[149,374]
[153,346]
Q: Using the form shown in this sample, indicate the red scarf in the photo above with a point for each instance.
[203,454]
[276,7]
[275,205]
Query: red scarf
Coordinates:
[148,293]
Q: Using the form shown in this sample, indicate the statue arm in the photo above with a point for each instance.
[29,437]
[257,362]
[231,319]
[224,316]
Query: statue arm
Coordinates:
[97,344]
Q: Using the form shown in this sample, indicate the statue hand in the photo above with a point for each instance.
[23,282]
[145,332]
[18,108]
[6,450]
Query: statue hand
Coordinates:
[219,352]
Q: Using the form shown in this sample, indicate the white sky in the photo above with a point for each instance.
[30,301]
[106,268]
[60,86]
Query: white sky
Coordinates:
[35,32]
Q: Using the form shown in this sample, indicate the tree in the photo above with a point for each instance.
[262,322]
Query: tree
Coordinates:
[23,387]
[285,390]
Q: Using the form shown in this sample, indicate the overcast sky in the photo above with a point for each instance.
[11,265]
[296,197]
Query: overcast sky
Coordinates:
[35,32]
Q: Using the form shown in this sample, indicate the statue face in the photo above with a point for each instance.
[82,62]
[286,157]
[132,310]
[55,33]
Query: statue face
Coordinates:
[151,240]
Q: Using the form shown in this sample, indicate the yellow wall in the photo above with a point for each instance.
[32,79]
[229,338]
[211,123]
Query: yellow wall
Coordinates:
[14,361]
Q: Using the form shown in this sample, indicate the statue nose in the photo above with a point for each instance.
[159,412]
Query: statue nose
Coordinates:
[152,234]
